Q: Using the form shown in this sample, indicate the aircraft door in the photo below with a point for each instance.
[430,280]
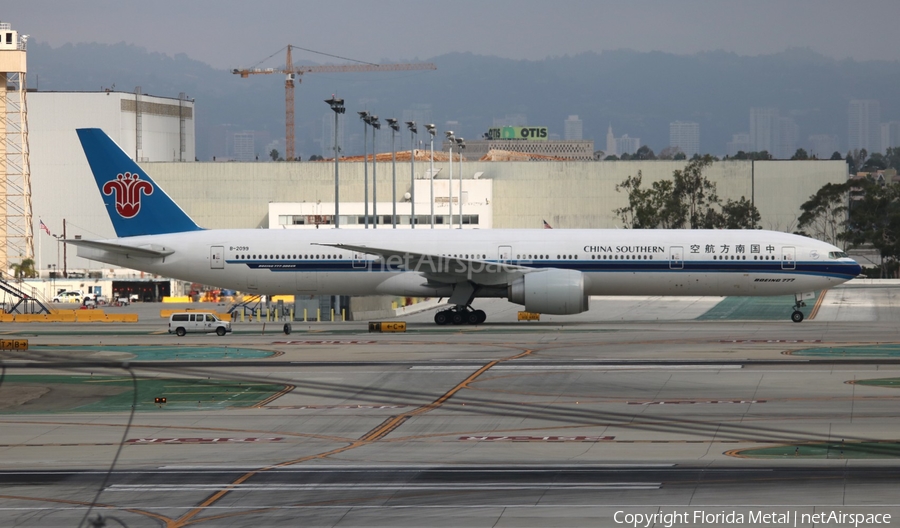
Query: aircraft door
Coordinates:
[504,253]
[676,257]
[216,257]
[359,260]
[788,258]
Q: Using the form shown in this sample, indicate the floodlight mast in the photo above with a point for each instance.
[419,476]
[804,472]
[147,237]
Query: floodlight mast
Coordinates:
[431,131]
[364,117]
[337,105]
[461,145]
[373,122]
[394,128]
[413,131]
[452,139]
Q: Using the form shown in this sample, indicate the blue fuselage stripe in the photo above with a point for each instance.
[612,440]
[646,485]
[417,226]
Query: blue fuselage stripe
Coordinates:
[826,269]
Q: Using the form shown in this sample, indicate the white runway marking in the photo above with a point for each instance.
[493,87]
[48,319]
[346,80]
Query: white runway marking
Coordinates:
[578,367]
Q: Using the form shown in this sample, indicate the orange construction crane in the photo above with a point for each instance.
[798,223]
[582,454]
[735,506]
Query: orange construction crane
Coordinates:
[292,71]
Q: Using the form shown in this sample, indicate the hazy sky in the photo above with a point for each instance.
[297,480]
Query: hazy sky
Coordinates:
[231,33]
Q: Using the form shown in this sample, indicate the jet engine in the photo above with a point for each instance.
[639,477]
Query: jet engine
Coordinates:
[552,291]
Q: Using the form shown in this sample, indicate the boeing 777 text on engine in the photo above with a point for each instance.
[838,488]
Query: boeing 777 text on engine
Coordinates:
[551,271]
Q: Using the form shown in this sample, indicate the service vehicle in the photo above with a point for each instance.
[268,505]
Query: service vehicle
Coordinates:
[180,323]
[69,296]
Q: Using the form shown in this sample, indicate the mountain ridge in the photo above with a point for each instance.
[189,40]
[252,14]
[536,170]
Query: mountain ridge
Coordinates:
[639,93]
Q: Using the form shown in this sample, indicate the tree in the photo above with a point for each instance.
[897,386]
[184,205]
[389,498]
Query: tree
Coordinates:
[801,154]
[273,154]
[836,156]
[824,215]
[740,214]
[696,192]
[24,270]
[761,155]
[876,162]
[851,163]
[892,158]
[611,157]
[688,200]
[875,220]
[669,153]
[649,208]
[856,158]
[644,153]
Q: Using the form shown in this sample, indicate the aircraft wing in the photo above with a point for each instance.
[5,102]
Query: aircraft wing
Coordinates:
[437,268]
[148,251]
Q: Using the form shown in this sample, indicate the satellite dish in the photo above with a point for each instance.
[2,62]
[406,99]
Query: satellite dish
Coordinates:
[407,196]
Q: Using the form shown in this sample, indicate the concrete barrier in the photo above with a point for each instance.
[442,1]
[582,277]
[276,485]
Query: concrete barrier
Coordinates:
[70,316]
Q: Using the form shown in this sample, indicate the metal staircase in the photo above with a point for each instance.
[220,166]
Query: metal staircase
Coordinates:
[29,302]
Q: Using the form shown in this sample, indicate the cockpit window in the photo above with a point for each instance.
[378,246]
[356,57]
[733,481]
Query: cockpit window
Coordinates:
[837,255]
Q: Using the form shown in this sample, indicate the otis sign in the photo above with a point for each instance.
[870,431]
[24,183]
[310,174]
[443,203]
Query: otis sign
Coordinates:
[128,188]
[523,133]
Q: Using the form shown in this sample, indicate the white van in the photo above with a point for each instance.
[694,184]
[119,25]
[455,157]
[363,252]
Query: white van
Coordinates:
[184,322]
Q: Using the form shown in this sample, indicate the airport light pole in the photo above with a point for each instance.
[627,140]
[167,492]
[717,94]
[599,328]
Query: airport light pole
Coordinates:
[413,131]
[431,132]
[373,122]
[460,145]
[337,105]
[364,116]
[452,139]
[394,128]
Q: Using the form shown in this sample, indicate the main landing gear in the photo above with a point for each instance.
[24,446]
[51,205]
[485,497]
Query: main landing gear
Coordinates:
[459,315]
[797,316]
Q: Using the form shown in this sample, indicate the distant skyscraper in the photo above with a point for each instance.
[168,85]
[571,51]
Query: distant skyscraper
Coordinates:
[244,146]
[823,146]
[890,135]
[610,142]
[686,136]
[739,143]
[627,145]
[865,125]
[762,129]
[574,129]
[784,139]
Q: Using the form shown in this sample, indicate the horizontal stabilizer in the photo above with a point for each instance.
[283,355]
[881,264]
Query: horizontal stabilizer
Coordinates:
[147,251]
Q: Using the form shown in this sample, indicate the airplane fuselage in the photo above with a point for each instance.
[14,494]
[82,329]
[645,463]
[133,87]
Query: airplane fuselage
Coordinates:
[614,262]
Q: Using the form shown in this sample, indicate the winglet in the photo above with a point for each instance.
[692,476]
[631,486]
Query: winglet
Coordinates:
[135,204]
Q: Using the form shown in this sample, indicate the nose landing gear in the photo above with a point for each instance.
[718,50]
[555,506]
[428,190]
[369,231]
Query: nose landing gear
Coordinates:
[797,316]
[460,315]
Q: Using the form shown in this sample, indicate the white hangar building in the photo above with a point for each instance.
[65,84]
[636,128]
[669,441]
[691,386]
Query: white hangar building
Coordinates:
[149,128]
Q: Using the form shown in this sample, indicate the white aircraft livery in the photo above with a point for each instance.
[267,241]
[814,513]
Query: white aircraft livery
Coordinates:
[551,271]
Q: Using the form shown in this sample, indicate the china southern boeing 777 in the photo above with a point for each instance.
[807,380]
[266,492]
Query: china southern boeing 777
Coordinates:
[548,271]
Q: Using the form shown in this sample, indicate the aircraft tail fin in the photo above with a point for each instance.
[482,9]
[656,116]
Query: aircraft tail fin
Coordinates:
[135,204]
